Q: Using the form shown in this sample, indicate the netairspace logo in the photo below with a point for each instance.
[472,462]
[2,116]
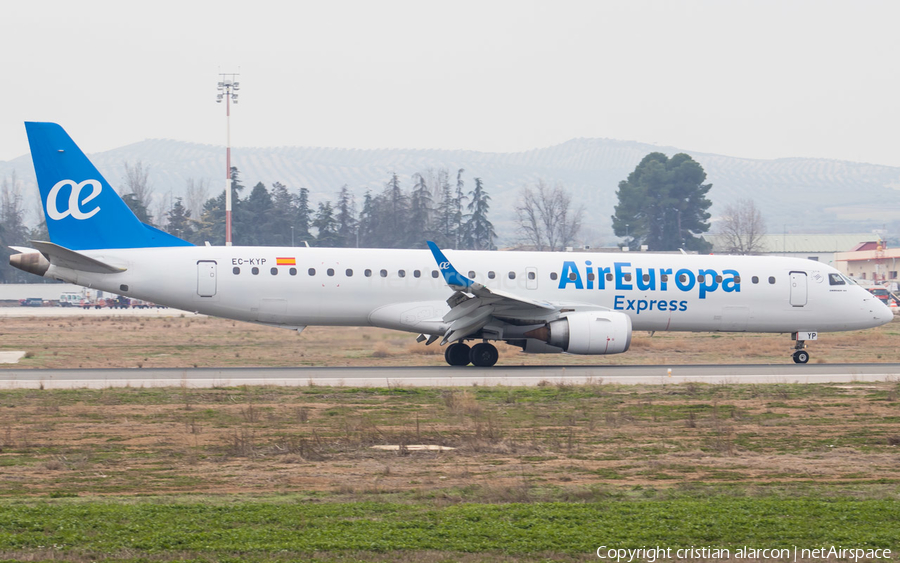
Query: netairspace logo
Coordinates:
[652,554]
[619,276]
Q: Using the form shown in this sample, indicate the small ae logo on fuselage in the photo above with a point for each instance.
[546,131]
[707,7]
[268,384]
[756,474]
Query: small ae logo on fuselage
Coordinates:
[74,205]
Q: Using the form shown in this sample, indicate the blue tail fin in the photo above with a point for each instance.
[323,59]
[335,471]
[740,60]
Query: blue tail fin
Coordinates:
[83,211]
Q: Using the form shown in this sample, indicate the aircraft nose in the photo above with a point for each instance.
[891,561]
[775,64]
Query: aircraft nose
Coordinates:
[885,314]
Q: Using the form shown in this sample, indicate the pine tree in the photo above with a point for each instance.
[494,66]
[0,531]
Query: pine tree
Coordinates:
[459,218]
[255,217]
[663,204]
[445,213]
[394,210]
[479,231]
[420,212]
[326,225]
[303,214]
[346,218]
[179,221]
[368,222]
[138,208]
[281,216]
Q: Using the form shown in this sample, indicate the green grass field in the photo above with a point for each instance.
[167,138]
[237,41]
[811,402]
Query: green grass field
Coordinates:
[296,529]
[547,473]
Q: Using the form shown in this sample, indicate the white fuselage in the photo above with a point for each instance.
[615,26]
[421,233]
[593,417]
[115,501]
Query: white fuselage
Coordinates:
[402,290]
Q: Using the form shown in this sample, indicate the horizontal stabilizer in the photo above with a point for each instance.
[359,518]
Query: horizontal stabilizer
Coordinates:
[65,258]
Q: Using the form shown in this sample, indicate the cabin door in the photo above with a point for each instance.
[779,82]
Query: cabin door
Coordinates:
[798,289]
[206,278]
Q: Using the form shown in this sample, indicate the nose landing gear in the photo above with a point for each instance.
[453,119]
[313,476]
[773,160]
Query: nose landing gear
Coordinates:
[801,356]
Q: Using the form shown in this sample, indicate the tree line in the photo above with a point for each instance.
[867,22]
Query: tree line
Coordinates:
[394,217]
[662,204]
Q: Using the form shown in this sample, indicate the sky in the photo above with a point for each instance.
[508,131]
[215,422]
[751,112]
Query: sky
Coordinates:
[757,79]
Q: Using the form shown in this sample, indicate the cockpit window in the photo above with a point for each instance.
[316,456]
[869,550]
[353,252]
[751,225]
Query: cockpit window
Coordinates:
[836,279]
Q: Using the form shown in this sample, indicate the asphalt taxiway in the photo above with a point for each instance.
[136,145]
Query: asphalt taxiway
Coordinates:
[13,378]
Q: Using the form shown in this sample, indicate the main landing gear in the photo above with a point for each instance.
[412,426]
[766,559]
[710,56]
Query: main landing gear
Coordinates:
[482,355]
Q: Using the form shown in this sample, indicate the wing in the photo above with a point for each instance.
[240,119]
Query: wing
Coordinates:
[474,306]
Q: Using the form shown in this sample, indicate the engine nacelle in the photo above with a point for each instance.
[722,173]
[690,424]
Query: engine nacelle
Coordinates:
[591,332]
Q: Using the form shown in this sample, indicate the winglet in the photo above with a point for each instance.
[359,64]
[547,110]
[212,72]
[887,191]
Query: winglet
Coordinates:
[453,278]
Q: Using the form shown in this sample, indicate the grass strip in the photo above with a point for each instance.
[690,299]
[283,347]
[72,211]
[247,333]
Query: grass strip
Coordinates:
[260,528]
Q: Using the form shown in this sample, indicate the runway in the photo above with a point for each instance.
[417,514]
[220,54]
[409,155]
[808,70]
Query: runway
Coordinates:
[446,376]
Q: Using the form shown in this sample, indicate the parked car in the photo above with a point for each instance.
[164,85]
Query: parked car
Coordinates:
[881,293]
[32,302]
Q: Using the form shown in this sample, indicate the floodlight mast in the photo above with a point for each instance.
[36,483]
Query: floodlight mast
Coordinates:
[228,88]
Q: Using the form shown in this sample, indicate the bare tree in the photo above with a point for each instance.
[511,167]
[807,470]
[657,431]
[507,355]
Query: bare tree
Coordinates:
[196,195]
[741,228]
[162,206]
[12,212]
[546,218]
[137,182]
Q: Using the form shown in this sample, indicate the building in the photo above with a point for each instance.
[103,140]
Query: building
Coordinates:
[871,263]
[821,248]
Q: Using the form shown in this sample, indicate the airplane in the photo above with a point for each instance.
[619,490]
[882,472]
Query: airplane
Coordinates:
[541,302]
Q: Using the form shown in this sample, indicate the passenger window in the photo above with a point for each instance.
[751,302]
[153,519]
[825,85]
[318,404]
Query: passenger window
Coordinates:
[512,275]
[609,277]
[772,280]
[755,279]
[383,273]
[591,276]
[293,271]
[401,273]
[833,279]
[718,279]
[311,271]
[368,273]
[646,277]
[682,278]
[235,270]
[434,273]
[417,274]
[553,276]
[701,279]
[664,277]
[330,271]
[628,277]
[274,271]
[737,279]
[471,275]
[572,276]
[491,275]
[532,275]
[254,271]
[349,273]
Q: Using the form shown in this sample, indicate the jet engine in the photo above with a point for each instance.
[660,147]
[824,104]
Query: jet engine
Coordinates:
[590,332]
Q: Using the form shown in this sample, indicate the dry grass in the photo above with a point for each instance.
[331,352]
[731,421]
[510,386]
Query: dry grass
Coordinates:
[511,444]
[209,342]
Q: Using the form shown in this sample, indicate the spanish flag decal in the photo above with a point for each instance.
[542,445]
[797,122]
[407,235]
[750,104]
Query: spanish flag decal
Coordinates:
[286,261]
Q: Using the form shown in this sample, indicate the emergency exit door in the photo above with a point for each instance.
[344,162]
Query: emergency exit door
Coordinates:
[798,289]
[206,278]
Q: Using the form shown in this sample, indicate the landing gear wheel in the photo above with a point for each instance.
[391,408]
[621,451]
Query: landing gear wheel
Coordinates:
[457,354]
[484,355]
[801,357]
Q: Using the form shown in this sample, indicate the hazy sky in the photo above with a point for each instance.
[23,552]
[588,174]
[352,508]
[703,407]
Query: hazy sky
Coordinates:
[757,79]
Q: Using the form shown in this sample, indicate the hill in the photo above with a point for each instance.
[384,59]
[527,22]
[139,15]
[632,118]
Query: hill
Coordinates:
[794,194]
